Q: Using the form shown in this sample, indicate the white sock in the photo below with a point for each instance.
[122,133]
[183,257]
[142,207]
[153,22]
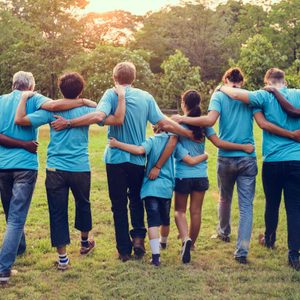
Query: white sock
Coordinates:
[164,239]
[154,244]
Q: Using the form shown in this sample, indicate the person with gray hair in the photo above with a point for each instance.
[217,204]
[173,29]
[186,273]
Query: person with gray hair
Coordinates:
[18,167]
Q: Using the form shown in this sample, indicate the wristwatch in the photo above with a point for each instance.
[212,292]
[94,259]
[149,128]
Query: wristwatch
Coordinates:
[68,124]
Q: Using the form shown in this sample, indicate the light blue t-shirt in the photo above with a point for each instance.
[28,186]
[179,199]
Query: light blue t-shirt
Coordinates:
[163,185]
[183,170]
[68,149]
[17,158]
[277,148]
[140,108]
[235,123]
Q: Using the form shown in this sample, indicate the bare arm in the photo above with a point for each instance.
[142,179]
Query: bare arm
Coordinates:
[235,93]
[167,152]
[133,149]
[194,160]
[93,118]
[264,124]
[285,105]
[248,148]
[30,146]
[65,104]
[203,121]
[168,125]
[21,116]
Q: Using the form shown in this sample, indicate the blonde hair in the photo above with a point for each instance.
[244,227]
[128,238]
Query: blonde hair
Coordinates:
[124,73]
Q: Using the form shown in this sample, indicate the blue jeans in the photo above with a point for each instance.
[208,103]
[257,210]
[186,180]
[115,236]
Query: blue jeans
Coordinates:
[20,185]
[283,177]
[242,171]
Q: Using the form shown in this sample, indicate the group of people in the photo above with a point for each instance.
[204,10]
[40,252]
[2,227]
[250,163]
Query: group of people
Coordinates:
[174,157]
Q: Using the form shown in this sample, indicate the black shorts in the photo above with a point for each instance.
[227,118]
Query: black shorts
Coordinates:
[188,185]
[158,211]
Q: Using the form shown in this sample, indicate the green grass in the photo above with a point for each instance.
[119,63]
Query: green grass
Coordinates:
[213,274]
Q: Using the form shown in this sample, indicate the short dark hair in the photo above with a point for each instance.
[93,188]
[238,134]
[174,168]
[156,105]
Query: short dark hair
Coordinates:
[71,85]
[234,75]
[274,75]
[124,73]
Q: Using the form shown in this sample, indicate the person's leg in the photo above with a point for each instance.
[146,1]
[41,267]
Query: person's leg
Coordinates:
[165,208]
[80,184]
[246,190]
[292,206]
[57,195]
[195,214]
[6,186]
[180,215]
[154,221]
[117,187]
[273,185]
[24,183]
[135,175]
[227,172]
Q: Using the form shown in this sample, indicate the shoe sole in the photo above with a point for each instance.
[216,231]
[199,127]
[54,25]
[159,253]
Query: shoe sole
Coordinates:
[89,252]
[186,252]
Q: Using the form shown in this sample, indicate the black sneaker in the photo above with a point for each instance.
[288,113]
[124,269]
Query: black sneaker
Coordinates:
[294,263]
[124,257]
[4,277]
[186,251]
[224,238]
[163,246]
[262,242]
[241,259]
[155,261]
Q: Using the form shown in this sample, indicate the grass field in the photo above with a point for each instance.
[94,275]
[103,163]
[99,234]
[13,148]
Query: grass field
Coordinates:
[213,274]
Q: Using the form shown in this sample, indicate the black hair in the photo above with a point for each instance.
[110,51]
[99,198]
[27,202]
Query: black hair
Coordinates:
[192,99]
[234,75]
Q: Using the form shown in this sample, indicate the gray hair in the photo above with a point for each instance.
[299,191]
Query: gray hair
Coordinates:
[23,81]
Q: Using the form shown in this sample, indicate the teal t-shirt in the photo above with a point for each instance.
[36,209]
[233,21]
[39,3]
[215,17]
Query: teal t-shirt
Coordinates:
[183,170]
[67,149]
[140,108]
[235,123]
[163,185]
[277,148]
[17,158]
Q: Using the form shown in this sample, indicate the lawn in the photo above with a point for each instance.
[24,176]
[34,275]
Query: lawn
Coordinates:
[213,274]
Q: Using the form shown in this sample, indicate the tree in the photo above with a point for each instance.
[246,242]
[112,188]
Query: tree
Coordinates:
[257,56]
[178,76]
[96,68]
[293,74]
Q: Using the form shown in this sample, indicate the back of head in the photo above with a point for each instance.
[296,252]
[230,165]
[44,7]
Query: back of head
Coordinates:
[71,85]
[192,99]
[234,75]
[124,73]
[23,81]
[274,76]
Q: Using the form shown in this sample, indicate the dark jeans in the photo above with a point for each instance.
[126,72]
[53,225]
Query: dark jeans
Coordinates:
[58,184]
[283,177]
[16,187]
[125,181]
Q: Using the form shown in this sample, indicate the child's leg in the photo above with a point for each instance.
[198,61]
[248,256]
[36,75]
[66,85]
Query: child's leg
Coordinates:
[180,215]
[195,214]
[63,260]
[165,207]
[153,233]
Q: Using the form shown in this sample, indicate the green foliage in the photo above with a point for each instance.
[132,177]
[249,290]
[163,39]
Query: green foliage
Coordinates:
[257,56]
[97,65]
[293,74]
[178,76]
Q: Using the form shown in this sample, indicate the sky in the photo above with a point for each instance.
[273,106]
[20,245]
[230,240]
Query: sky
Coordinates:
[138,7]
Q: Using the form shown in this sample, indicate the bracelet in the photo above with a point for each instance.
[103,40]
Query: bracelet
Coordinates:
[157,167]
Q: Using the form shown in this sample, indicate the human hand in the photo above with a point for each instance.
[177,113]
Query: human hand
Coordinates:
[113,143]
[296,135]
[31,146]
[89,103]
[119,90]
[153,174]
[60,123]
[27,94]
[269,88]
[248,148]
[177,118]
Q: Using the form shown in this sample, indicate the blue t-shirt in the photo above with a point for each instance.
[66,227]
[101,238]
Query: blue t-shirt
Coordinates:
[17,158]
[140,108]
[235,123]
[277,148]
[68,149]
[163,185]
[183,170]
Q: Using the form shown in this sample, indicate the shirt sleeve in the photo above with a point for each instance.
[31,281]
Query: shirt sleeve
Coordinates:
[215,102]
[257,98]
[105,104]
[40,117]
[154,113]
[180,152]
[209,131]
[39,100]
[147,145]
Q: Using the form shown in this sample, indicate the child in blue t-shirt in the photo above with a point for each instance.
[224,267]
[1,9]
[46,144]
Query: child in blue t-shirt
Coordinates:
[157,194]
